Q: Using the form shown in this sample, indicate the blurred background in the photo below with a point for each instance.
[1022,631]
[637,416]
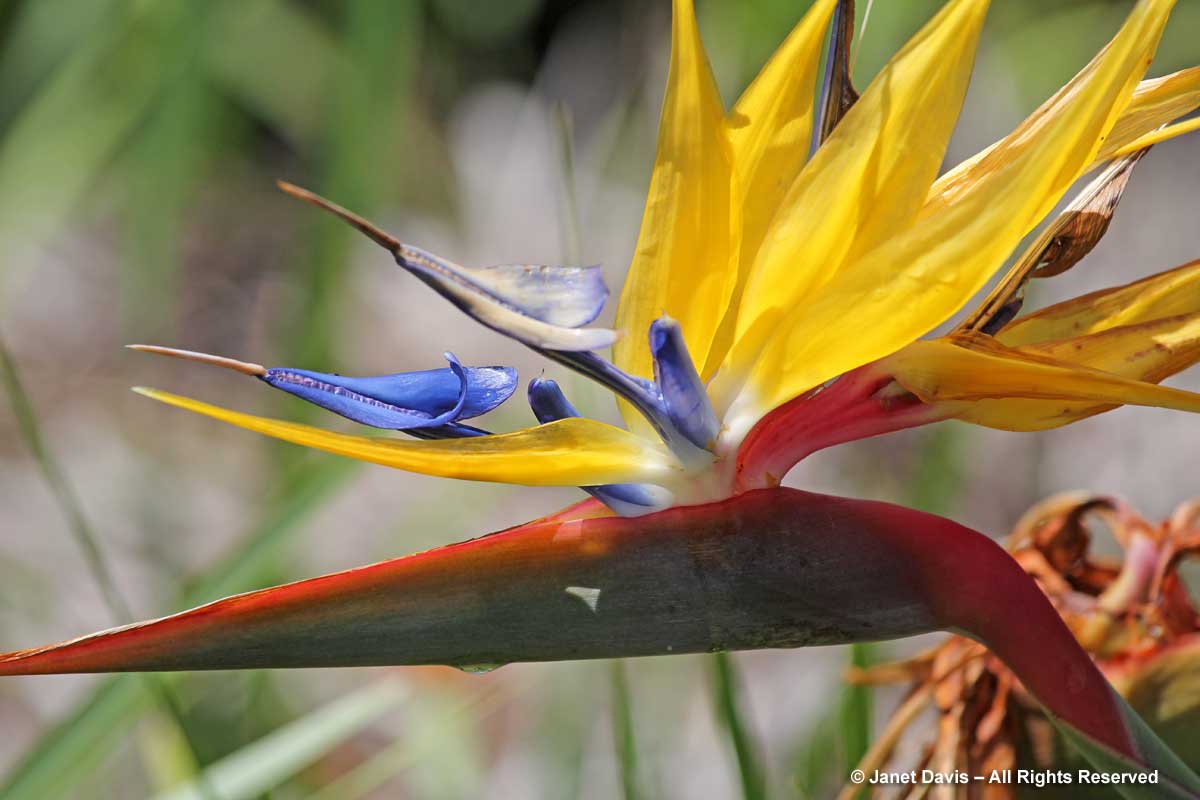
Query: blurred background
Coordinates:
[139,145]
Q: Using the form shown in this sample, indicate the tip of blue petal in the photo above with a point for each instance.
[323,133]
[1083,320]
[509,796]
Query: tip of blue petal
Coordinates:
[660,332]
[244,367]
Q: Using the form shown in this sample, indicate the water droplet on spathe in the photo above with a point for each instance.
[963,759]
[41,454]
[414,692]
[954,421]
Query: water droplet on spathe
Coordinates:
[477,669]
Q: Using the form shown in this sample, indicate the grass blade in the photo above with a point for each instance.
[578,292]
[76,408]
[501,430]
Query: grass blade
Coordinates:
[373,80]
[856,712]
[85,537]
[162,170]
[733,720]
[623,734]
[70,752]
[570,229]
[62,492]
[67,754]
[264,764]
[816,765]
[410,749]
[274,57]
[47,159]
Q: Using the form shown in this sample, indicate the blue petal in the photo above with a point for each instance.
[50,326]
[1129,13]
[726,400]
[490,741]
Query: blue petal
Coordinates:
[548,401]
[632,499]
[566,296]
[683,392]
[542,307]
[506,299]
[638,392]
[451,431]
[406,400]
[533,305]
[627,499]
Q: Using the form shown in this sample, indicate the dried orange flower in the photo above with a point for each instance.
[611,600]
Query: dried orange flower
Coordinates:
[1132,612]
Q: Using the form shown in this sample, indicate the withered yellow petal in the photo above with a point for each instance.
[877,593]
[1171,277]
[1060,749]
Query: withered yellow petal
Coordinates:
[1146,351]
[685,263]
[913,282]
[1166,294]
[770,128]
[1149,351]
[868,179]
[1060,246]
[1155,102]
[983,382]
[569,452]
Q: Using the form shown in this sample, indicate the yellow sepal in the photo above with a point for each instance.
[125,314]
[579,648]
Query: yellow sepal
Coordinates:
[770,129]
[979,380]
[1155,103]
[1167,294]
[685,263]
[867,181]
[912,283]
[1147,351]
[1155,137]
[569,452]
[1108,81]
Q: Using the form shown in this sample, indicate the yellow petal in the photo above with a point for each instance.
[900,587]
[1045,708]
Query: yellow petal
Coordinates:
[915,281]
[1018,390]
[1160,135]
[1117,67]
[685,264]
[867,180]
[1147,351]
[569,452]
[770,128]
[1156,102]
[1166,294]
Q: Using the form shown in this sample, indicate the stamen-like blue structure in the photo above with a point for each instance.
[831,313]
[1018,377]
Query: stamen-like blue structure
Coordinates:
[627,499]
[545,308]
[541,306]
[683,393]
[403,401]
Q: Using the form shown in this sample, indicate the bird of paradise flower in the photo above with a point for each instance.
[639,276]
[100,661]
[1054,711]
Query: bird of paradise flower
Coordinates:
[793,252]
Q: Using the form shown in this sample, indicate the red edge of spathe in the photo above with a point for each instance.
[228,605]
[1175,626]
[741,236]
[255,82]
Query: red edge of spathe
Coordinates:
[852,407]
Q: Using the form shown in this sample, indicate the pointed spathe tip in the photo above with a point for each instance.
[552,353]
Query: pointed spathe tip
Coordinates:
[376,234]
[244,367]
